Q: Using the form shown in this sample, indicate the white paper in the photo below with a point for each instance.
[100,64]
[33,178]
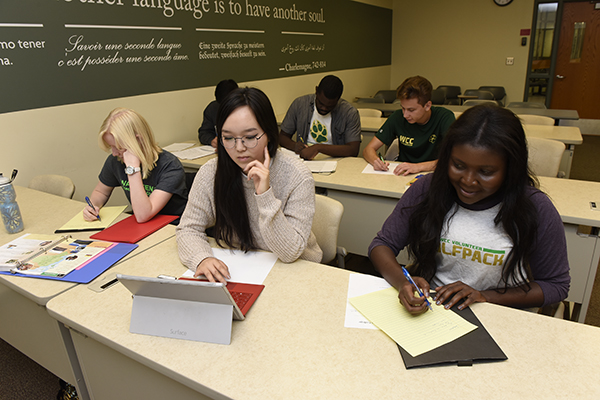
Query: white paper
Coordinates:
[369,169]
[177,147]
[321,166]
[252,267]
[195,152]
[358,285]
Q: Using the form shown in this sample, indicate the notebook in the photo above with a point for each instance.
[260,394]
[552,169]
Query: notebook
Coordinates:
[130,231]
[244,294]
[78,224]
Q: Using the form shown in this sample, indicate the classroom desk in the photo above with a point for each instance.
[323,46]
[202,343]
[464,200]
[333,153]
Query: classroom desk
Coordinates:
[369,199]
[389,108]
[26,324]
[293,345]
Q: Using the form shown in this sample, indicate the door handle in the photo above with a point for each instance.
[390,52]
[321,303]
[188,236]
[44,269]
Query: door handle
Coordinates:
[560,77]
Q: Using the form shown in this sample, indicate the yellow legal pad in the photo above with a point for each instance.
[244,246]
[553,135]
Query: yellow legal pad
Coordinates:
[77,223]
[417,334]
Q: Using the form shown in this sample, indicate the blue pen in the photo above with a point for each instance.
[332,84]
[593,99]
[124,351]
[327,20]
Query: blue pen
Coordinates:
[87,199]
[410,279]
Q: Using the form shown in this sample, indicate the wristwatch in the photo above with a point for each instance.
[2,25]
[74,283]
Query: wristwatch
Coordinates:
[132,170]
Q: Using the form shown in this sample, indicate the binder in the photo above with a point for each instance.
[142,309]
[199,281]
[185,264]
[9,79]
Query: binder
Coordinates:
[91,269]
[130,231]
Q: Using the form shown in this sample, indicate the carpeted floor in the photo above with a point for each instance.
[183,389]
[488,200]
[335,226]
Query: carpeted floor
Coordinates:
[22,378]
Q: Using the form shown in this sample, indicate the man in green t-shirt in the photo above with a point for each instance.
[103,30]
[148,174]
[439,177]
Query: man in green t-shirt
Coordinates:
[418,126]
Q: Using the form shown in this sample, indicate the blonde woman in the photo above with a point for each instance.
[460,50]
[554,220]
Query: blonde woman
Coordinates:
[153,179]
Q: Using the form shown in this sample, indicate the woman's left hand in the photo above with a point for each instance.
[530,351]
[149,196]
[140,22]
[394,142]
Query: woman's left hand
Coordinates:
[259,173]
[455,292]
[130,159]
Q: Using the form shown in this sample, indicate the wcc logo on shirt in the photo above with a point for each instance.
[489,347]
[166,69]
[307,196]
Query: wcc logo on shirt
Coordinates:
[318,131]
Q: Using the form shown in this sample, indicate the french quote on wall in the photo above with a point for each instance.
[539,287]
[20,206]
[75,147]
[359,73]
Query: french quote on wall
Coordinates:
[70,51]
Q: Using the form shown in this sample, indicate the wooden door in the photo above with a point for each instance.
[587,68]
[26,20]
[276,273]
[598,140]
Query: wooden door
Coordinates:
[577,75]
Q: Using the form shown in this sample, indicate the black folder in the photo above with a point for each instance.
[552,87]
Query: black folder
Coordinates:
[476,345]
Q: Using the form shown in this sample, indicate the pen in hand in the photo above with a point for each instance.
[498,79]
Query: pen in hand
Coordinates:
[410,279]
[87,199]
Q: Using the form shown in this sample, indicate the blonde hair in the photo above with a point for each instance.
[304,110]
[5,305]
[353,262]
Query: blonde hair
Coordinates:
[132,133]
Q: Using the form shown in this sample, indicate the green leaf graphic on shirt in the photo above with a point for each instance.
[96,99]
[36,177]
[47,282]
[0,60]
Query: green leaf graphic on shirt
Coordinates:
[319,132]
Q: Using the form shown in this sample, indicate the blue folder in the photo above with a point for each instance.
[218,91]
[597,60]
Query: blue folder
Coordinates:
[91,270]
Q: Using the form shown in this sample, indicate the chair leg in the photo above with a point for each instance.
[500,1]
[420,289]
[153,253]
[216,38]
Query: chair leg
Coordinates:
[341,256]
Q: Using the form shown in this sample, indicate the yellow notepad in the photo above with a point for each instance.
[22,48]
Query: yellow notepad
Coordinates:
[417,334]
[78,224]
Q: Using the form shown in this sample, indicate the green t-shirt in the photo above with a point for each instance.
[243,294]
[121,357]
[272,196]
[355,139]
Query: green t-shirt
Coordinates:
[417,143]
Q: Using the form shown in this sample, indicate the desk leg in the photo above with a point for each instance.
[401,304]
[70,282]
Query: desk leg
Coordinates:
[584,255]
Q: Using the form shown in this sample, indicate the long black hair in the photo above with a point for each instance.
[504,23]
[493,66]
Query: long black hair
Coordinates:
[499,130]
[232,223]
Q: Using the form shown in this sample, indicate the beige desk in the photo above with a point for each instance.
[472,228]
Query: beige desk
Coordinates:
[26,324]
[572,200]
[293,346]
[389,108]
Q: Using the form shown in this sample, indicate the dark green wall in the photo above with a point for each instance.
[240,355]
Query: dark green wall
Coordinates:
[56,61]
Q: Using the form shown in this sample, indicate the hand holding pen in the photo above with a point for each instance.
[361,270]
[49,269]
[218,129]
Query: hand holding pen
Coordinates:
[379,164]
[94,212]
[415,304]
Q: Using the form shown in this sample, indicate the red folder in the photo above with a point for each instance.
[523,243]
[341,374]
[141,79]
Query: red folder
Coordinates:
[130,231]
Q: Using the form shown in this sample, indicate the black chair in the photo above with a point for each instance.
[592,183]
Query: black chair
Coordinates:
[481,94]
[451,93]
[388,96]
[498,91]
[438,97]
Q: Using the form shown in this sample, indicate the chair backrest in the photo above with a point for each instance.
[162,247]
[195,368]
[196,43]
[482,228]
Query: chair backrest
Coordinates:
[535,119]
[370,100]
[392,151]
[388,96]
[326,224]
[545,156]
[438,96]
[369,112]
[54,184]
[481,94]
[451,92]
[498,92]
[474,102]
[525,104]
[457,114]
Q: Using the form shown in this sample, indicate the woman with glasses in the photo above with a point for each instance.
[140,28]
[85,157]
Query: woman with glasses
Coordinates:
[253,196]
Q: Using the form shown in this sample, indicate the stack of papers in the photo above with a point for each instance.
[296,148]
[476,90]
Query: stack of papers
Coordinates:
[194,152]
[321,166]
[177,147]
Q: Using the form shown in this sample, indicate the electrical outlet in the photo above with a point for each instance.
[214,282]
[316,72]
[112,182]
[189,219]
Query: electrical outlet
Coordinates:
[510,60]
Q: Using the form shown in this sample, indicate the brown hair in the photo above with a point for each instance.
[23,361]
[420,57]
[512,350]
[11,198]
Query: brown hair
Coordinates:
[415,87]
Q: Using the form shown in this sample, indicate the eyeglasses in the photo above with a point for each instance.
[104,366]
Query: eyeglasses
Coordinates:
[249,142]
